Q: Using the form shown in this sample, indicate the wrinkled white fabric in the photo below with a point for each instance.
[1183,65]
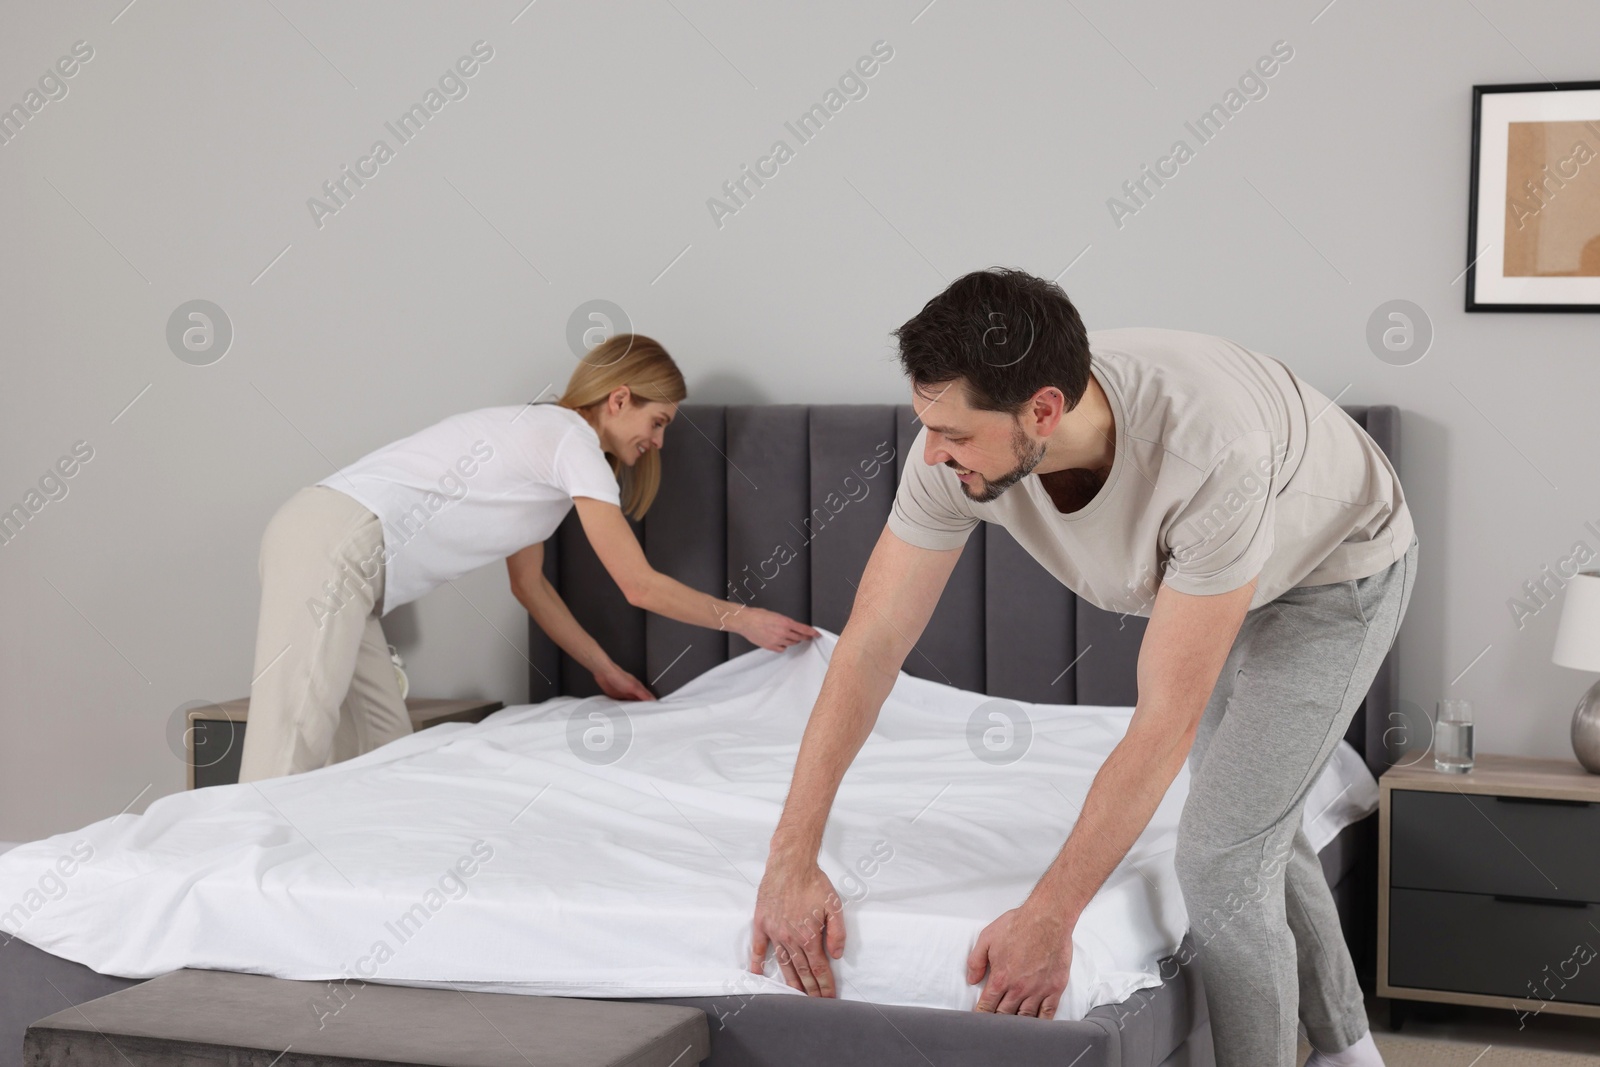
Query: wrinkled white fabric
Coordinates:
[605,849]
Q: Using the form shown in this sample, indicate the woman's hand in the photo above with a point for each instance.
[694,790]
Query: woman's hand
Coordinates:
[618,684]
[767,629]
[800,915]
[645,587]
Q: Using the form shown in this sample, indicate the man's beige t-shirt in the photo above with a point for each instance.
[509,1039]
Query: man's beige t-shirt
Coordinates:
[1226,466]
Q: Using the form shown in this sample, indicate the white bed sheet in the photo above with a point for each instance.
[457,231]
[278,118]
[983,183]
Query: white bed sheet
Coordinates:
[493,857]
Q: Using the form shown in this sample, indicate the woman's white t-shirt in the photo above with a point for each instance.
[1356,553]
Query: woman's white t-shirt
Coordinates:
[474,489]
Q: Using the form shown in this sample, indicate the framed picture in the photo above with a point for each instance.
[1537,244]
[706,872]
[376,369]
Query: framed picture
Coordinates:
[1533,225]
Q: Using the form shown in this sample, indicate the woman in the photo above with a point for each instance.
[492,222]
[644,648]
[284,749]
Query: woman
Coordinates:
[486,485]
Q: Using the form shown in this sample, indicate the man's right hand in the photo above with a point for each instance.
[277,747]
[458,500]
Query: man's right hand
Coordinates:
[800,915]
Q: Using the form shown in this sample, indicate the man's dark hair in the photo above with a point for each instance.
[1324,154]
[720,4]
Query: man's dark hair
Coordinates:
[1004,332]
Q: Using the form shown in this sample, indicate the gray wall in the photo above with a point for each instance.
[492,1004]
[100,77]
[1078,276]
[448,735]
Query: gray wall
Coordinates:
[578,166]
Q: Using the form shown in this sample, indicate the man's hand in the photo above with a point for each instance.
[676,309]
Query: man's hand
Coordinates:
[798,911]
[618,684]
[1028,955]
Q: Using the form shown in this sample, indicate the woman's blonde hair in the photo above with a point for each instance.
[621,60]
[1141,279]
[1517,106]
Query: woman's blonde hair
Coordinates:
[642,365]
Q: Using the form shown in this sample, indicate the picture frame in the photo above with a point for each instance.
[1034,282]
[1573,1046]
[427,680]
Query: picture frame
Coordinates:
[1533,209]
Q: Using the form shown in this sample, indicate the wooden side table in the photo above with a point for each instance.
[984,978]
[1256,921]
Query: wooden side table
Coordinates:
[1489,886]
[214,741]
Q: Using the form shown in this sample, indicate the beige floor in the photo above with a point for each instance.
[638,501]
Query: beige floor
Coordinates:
[1448,1036]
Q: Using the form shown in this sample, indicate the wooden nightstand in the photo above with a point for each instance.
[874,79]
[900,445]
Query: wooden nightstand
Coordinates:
[216,732]
[1489,886]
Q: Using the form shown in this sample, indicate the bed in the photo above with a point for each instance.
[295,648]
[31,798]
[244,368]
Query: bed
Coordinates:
[741,485]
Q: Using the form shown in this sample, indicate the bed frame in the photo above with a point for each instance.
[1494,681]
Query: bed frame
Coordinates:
[779,506]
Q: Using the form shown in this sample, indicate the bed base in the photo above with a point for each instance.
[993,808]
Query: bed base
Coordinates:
[1152,1028]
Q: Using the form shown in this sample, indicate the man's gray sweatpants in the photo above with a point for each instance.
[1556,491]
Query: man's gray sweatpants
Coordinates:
[1267,939]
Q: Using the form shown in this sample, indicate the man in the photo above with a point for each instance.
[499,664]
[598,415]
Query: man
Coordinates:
[1164,474]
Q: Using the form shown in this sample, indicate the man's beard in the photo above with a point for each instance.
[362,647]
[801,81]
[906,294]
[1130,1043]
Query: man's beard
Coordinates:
[1026,461]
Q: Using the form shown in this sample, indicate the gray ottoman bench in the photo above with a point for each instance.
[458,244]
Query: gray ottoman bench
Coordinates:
[248,1020]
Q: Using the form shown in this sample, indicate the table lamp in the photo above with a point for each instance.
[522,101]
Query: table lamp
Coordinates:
[1578,647]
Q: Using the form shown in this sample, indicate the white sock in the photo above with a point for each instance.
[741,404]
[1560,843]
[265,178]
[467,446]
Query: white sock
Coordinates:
[1363,1053]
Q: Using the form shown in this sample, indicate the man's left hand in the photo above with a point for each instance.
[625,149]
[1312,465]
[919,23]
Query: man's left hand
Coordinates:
[1028,956]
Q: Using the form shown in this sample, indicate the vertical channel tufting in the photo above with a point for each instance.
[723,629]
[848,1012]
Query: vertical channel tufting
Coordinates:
[768,479]
[544,658]
[1372,728]
[1109,644]
[1004,625]
[1031,627]
[852,449]
[599,607]
[952,647]
[682,540]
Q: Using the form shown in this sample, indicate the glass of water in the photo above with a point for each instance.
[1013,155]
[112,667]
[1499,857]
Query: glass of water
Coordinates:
[1452,737]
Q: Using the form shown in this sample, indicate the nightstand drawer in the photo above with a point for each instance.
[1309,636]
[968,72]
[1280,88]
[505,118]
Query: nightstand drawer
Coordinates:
[1489,844]
[1467,943]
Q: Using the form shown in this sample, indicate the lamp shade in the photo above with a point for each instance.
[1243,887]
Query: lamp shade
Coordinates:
[1578,637]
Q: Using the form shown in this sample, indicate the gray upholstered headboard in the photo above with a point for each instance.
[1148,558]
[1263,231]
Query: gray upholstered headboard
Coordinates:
[780,505]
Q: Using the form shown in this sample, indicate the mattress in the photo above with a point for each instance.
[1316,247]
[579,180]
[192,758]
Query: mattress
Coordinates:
[588,847]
